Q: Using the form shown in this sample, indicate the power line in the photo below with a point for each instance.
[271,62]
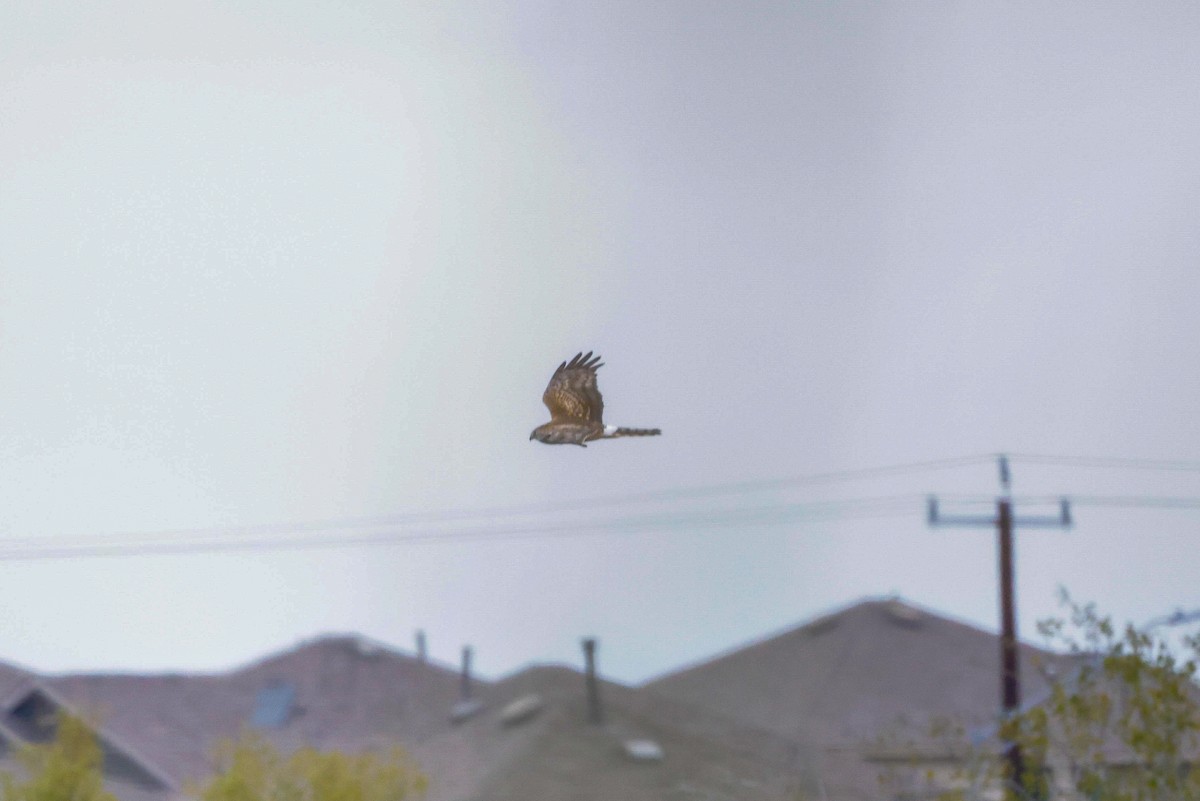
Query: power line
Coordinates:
[1142,501]
[1118,501]
[505,522]
[580,504]
[280,538]
[1107,462]
[690,493]
[764,516]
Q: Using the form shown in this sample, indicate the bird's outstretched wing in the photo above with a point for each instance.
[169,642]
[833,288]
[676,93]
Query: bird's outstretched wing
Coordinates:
[571,394]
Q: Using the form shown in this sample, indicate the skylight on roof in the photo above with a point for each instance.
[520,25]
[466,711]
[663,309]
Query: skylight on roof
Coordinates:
[273,708]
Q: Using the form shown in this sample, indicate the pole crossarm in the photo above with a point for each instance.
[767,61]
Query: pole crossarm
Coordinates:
[1062,520]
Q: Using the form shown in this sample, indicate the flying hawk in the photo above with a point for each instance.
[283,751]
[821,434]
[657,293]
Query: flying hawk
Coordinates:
[576,408]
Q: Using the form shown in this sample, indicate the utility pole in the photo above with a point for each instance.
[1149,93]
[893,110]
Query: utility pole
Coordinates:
[1004,523]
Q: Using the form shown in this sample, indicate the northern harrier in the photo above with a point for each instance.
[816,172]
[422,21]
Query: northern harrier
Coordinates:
[576,408]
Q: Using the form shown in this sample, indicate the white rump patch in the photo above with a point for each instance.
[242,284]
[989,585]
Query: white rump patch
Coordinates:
[610,430]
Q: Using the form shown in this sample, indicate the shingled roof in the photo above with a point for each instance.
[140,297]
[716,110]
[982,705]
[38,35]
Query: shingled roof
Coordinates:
[796,710]
[856,673]
[347,692]
[29,710]
[351,694]
[881,670]
[558,753]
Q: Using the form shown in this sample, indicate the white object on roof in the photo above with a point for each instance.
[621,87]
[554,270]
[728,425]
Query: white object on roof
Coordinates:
[465,710]
[902,613]
[366,647]
[521,710]
[644,750]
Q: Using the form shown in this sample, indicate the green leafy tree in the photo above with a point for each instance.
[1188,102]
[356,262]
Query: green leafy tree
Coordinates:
[68,768]
[1121,722]
[1125,724]
[251,769]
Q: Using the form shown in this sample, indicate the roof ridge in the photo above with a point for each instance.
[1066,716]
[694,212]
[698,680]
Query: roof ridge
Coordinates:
[821,618]
[826,618]
[238,667]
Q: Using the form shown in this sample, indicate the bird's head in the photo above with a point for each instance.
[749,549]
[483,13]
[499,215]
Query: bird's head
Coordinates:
[546,433]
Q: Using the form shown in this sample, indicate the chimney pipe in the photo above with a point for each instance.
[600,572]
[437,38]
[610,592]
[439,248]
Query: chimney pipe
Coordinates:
[466,673]
[422,654]
[593,690]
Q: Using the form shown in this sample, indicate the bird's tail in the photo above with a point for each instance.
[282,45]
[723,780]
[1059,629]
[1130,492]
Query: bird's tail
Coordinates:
[635,432]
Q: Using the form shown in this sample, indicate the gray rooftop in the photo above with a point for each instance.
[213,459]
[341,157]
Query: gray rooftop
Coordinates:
[792,710]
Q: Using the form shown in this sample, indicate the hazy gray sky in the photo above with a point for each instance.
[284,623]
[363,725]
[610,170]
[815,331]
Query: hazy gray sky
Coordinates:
[271,262]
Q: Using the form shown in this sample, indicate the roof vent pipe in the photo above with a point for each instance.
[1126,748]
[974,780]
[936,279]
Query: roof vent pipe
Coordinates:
[466,673]
[593,690]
